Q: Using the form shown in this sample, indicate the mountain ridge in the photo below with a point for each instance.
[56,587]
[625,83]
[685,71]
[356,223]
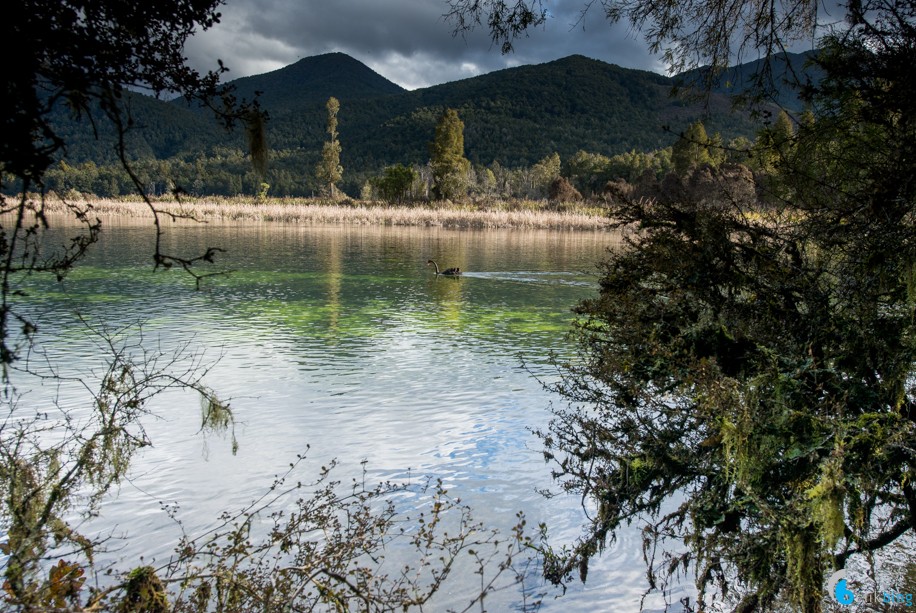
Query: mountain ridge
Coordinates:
[775,72]
[318,72]
[514,116]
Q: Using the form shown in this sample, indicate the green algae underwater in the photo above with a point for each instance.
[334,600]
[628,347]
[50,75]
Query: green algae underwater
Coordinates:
[340,342]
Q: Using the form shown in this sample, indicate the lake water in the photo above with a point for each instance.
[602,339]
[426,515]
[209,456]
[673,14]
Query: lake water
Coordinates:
[342,340]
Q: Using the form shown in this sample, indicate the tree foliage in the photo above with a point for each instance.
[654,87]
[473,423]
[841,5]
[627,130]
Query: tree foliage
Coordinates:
[61,460]
[50,487]
[228,570]
[761,374]
[450,167]
[396,182]
[691,149]
[84,58]
[74,53]
[303,545]
[561,191]
[689,34]
[773,145]
[744,388]
[329,170]
[545,172]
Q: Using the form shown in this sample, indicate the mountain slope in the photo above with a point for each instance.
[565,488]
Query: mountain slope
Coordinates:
[520,114]
[316,79]
[785,71]
[157,129]
[514,116]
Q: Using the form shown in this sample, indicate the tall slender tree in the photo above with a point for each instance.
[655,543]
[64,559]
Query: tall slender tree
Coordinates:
[329,170]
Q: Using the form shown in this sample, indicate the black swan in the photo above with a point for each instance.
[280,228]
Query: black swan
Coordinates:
[451,272]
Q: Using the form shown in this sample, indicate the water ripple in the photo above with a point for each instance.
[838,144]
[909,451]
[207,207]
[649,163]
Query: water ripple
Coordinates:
[342,342]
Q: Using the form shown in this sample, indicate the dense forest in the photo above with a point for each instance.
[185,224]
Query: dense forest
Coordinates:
[622,120]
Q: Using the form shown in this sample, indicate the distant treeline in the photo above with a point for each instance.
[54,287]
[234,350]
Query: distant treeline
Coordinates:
[291,173]
[228,172]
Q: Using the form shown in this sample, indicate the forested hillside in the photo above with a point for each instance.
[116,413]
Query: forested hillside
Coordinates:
[514,117]
[769,79]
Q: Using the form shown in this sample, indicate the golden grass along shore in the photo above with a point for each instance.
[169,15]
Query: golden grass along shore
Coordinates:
[303,211]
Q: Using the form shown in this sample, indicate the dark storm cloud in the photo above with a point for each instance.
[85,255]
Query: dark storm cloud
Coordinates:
[407,41]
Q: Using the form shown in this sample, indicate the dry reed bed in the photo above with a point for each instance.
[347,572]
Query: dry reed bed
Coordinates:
[324,213]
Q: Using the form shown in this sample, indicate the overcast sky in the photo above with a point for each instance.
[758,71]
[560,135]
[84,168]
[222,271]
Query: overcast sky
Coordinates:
[406,41]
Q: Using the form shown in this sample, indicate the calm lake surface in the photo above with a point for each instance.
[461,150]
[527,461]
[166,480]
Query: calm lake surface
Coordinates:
[341,341]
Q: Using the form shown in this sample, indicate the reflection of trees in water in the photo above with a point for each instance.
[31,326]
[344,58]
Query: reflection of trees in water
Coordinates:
[334,276]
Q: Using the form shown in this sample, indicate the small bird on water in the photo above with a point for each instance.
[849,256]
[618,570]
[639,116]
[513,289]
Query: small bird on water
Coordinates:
[450,272]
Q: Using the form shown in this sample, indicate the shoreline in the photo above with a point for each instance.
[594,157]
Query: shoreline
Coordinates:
[317,212]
